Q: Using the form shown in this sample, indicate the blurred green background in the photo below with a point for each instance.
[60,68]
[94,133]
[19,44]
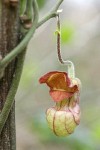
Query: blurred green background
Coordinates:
[80,21]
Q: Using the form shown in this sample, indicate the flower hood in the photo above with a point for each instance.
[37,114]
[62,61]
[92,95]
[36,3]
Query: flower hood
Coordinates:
[60,84]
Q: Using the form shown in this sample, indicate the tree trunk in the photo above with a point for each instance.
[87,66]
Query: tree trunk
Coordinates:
[9,29]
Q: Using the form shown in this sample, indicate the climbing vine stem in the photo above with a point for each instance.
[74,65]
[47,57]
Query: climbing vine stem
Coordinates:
[8,58]
[11,94]
[20,51]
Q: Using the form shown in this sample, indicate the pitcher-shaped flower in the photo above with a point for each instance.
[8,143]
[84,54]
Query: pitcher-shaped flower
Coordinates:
[65,116]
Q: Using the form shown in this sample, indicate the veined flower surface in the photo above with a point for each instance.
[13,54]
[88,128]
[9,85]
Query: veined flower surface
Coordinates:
[65,115]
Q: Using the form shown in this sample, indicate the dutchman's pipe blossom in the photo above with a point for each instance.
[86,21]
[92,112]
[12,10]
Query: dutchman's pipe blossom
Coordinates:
[65,115]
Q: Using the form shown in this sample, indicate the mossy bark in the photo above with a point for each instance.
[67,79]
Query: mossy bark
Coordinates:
[9,37]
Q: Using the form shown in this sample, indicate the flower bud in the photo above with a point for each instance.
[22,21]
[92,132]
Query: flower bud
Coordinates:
[64,117]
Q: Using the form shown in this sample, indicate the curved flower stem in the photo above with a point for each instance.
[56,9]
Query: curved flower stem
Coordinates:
[5,61]
[71,68]
[11,95]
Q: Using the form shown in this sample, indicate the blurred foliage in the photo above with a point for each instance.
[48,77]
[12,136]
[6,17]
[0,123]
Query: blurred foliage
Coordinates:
[41,3]
[67,32]
[96,129]
[28,75]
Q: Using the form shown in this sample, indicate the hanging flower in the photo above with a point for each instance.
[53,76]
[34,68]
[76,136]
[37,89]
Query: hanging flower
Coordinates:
[65,115]
[61,87]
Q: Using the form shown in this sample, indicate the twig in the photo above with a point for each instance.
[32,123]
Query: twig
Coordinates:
[53,13]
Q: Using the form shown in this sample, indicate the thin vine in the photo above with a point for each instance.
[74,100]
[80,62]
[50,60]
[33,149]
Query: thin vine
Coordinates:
[71,68]
[5,61]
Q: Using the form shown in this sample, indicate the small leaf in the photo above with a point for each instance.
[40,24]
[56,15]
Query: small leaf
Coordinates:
[57,32]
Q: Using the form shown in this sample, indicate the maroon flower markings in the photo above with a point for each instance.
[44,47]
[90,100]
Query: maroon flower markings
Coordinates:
[65,116]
